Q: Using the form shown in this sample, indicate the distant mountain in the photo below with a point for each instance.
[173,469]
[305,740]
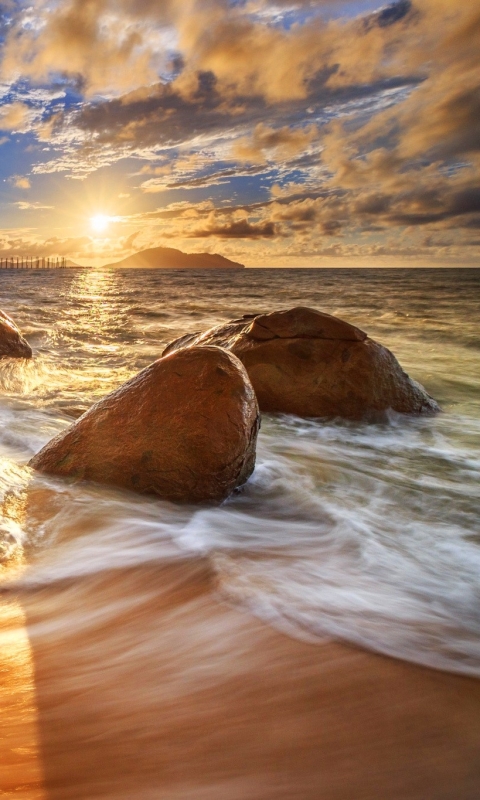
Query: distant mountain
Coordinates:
[169,258]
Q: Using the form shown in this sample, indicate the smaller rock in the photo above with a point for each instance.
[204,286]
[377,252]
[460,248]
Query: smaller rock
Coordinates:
[12,343]
[184,429]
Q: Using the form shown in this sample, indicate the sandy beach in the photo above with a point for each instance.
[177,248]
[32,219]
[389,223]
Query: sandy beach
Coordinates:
[224,706]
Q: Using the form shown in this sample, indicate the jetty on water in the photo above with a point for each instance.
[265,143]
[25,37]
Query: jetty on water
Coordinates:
[33,262]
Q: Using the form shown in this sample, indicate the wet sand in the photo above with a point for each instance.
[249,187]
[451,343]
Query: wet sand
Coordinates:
[147,685]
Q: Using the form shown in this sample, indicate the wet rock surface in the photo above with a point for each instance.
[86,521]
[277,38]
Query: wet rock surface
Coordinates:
[183,429]
[302,323]
[301,361]
[12,343]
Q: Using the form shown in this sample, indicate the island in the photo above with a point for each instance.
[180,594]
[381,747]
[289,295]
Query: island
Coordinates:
[170,258]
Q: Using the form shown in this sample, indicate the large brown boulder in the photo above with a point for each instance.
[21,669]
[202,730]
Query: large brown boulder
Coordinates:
[304,362]
[184,429]
[12,343]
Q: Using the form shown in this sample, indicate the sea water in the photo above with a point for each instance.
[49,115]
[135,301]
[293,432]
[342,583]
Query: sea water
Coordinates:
[139,658]
[361,532]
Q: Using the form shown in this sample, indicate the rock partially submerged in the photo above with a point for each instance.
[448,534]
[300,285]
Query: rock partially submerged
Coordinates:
[312,364]
[12,343]
[184,429]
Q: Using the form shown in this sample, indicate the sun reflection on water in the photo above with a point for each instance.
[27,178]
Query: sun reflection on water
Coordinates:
[21,773]
[91,331]
[96,292]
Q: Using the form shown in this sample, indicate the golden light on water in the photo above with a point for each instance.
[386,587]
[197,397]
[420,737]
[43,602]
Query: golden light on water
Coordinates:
[21,773]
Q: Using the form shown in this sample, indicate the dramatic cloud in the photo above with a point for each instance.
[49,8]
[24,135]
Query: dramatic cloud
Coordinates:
[241,229]
[300,130]
[273,143]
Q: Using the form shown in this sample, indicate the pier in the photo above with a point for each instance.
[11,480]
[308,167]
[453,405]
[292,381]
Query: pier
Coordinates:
[33,262]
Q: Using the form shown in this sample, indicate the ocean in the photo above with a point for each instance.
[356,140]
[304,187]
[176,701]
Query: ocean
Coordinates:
[365,534]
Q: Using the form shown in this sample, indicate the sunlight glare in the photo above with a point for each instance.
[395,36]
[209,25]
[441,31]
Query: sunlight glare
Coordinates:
[100,222]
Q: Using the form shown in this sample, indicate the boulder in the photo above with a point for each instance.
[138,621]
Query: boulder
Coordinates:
[184,429]
[12,343]
[301,361]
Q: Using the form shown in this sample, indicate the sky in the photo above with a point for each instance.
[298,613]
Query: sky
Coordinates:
[309,133]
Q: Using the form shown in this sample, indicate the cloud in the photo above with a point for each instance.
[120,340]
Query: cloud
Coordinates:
[266,143]
[429,207]
[23,244]
[183,209]
[29,243]
[238,229]
[25,206]
[15,117]
[392,13]
[21,182]
[296,124]
[214,178]
[101,45]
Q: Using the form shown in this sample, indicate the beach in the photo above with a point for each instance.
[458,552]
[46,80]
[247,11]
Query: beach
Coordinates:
[316,636]
[212,704]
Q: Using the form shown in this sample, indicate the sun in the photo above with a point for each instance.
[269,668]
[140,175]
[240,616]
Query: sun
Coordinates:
[100,222]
